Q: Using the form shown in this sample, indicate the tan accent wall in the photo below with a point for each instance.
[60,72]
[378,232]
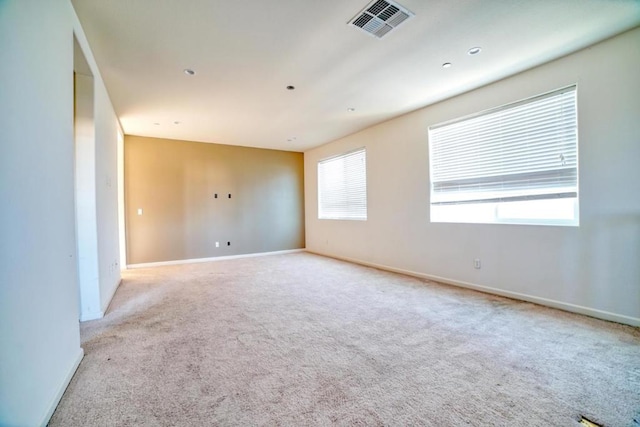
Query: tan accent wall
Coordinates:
[175,182]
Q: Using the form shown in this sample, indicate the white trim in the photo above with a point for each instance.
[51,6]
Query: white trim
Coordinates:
[122,236]
[92,315]
[107,302]
[218,258]
[593,312]
[84,317]
[61,390]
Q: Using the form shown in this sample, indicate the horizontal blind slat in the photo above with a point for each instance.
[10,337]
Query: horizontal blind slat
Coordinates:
[526,149]
[342,186]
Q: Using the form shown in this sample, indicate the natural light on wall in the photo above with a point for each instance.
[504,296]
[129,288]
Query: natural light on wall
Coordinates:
[516,164]
[342,186]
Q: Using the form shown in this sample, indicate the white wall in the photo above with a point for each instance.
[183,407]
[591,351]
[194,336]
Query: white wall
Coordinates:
[39,333]
[107,128]
[39,336]
[121,211]
[85,172]
[593,269]
[102,164]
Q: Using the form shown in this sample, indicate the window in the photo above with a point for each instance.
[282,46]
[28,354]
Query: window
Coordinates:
[342,186]
[513,164]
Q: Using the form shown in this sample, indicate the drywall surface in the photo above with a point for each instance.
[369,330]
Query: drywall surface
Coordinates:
[107,128]
[174,183]
[102,161]
[85,172]
[593,266]
[39,334]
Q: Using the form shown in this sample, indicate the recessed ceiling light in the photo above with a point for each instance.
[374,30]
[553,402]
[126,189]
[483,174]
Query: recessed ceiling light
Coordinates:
[474,50]
[351,109]
[176,123]
[446,65]
[290,87]
[189,72]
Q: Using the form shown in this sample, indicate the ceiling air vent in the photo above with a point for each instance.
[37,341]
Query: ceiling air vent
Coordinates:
[379,17]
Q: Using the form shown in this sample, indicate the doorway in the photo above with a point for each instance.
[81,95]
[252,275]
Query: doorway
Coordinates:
[85,187]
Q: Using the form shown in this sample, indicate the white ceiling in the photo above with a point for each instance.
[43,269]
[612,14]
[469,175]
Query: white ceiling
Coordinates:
[245,52]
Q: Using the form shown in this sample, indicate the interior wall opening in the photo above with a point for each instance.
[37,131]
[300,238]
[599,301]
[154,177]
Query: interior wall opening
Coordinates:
[85,187]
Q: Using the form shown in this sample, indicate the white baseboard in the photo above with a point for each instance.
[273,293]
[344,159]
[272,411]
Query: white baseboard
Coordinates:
[219,258]
[62,388]
[107,302]
[599,314]
[93,315]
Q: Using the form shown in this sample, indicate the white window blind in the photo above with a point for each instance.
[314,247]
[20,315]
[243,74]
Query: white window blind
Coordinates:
[342,186]
[520,152]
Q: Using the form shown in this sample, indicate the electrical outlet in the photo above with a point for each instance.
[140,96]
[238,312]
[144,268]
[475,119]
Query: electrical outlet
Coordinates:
[217,244]
[476,264]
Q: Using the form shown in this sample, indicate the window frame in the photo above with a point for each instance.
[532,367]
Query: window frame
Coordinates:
[461,211]
[323,214]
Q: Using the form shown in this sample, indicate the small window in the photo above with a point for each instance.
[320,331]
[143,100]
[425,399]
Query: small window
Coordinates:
[342,186]
[515,164]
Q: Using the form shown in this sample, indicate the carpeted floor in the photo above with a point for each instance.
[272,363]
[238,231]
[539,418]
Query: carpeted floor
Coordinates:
[303,340]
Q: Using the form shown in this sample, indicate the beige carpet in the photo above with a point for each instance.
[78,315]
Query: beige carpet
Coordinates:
[303,340]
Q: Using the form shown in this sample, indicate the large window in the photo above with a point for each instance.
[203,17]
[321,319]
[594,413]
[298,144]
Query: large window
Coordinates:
[513,164]
[342,186]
